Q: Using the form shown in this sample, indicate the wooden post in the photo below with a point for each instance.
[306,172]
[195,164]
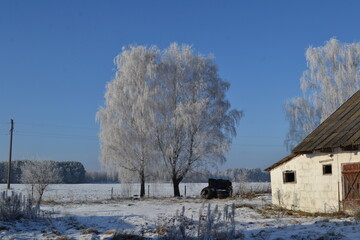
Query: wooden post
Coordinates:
[338,188]
[10,154]
[148,190]
[185,191]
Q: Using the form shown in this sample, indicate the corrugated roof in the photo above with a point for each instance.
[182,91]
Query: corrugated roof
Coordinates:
[340,129]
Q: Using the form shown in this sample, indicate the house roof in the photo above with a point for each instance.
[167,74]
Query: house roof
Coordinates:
[340,129]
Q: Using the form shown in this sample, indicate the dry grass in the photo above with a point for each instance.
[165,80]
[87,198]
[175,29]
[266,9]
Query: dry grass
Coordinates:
[62,238]
[356,215]
[248,195]
[125,236]
[57,233]
[246,205]
[269,211]
[90,231]
[80,228]
[110,232]
[3,228]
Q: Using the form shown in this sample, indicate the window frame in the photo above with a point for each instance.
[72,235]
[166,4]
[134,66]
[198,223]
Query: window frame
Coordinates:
[324,167]
[286,178]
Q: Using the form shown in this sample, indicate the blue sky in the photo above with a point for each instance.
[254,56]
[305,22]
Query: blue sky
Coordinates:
[57,56]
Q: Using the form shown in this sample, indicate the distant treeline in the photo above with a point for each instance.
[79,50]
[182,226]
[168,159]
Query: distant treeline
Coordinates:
[74,172]
[199,176]
[101,177]
[233,174]
[70,172]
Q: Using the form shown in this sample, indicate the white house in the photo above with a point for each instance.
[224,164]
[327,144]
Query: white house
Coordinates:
[322,174]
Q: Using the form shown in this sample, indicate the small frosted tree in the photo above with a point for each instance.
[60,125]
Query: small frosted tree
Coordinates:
[126,121]
[333,75]
[194,122]
[38,175]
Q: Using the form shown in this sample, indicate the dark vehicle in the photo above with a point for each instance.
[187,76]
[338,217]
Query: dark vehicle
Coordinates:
[218,188]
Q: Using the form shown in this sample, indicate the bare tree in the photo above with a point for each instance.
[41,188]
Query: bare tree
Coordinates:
[194,123]
[331,78]
[126,121]
[38,175]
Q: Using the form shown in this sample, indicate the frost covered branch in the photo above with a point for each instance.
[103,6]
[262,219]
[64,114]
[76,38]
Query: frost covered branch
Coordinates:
[333,75]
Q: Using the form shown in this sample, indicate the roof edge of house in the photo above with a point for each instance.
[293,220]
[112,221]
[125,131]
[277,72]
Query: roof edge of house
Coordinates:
[282,161]
[355,147]
[350,147]
[303,145]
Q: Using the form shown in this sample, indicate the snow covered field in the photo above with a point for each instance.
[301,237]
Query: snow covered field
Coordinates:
[85,211]
[99,192]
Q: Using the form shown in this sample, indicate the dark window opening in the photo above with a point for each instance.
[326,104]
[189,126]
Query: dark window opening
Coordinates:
[289,176]
[327,169]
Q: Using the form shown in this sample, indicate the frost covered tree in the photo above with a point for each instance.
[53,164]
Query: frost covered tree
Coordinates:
[126,121]
[38,175]
[333,75]
[194,122]
[167,105]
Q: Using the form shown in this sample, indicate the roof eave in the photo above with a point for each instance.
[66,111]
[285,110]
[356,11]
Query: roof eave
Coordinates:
[281,162]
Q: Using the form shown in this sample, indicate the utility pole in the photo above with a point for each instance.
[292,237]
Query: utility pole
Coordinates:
[10,153]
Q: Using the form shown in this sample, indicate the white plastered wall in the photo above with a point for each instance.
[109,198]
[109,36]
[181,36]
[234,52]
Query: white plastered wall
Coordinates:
[312,191]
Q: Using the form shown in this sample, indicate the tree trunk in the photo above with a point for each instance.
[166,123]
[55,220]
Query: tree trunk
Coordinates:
[176,183]
[142,185]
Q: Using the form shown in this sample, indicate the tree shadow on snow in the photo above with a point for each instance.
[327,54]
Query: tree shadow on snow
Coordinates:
[73,224]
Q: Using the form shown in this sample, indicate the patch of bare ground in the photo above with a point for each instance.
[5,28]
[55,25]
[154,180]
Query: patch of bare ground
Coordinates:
[62,238]
[246,205]
[90,231]
[56,232]
[126,236]
[3,228]
[269,211]
[110,232]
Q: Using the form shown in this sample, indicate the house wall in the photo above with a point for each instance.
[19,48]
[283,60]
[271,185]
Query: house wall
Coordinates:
[312,191]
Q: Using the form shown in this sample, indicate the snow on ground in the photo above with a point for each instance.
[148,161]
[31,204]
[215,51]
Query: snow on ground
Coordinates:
[98,192]
[95,216]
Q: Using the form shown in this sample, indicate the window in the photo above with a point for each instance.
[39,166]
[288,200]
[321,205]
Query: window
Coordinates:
[289,177]
[327,169]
